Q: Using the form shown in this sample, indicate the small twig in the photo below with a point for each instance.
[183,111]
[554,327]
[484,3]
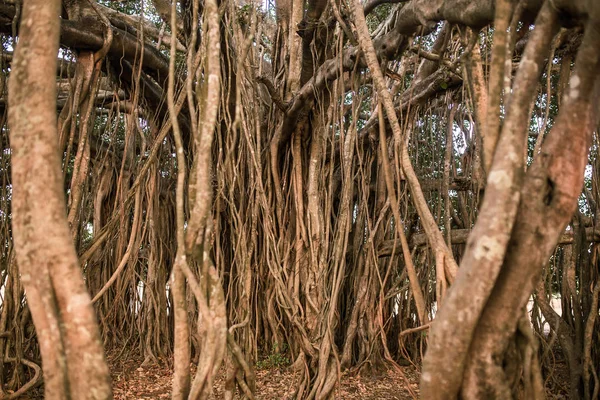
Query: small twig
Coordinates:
[413,330]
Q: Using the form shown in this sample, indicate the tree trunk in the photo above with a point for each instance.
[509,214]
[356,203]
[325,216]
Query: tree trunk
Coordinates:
[472,333]
[73,358]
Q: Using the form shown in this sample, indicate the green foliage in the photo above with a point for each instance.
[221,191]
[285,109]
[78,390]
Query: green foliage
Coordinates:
[379,15]
[277,359]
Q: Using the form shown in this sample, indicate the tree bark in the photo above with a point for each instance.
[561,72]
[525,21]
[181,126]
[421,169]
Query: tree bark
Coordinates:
[73,358]
[515,236]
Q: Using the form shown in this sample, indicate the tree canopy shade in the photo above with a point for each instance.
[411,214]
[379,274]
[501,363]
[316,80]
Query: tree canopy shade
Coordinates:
[349,185]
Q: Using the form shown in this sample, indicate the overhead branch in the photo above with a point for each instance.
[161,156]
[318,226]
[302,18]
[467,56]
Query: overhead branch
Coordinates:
[88,34]
[460,237]
[373,4]
[390,46]
[127,22]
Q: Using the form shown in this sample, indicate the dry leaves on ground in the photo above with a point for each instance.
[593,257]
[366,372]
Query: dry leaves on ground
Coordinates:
[131,381]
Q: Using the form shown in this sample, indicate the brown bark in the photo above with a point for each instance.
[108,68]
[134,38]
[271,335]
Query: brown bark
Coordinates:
[491,131]
[482,315]
[450,338]
[434,235]
[74,365]
[461,236]
[182,344]
[332,240]
[549,199]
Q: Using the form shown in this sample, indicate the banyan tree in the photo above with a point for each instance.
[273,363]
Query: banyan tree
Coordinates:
[353,186]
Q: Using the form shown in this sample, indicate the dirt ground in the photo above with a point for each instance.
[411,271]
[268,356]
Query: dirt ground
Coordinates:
[133,382]
[130,381]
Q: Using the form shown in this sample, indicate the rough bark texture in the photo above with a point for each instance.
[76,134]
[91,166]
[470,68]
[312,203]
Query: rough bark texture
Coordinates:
[309,178]
[74,365]
[506,257]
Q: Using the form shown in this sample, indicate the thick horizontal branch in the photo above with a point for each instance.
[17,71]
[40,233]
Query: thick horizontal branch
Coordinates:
[88,34]
[372,4]
[460,236]
[389,46]
[420,92]
[412,17]
[125,22]
[459,184]
[64,69]
[125,50]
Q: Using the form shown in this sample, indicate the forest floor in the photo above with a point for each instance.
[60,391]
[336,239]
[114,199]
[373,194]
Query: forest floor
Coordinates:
[131,381]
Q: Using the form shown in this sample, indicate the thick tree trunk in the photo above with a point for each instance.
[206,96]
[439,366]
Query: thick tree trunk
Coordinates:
[513,239]
[73,358]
